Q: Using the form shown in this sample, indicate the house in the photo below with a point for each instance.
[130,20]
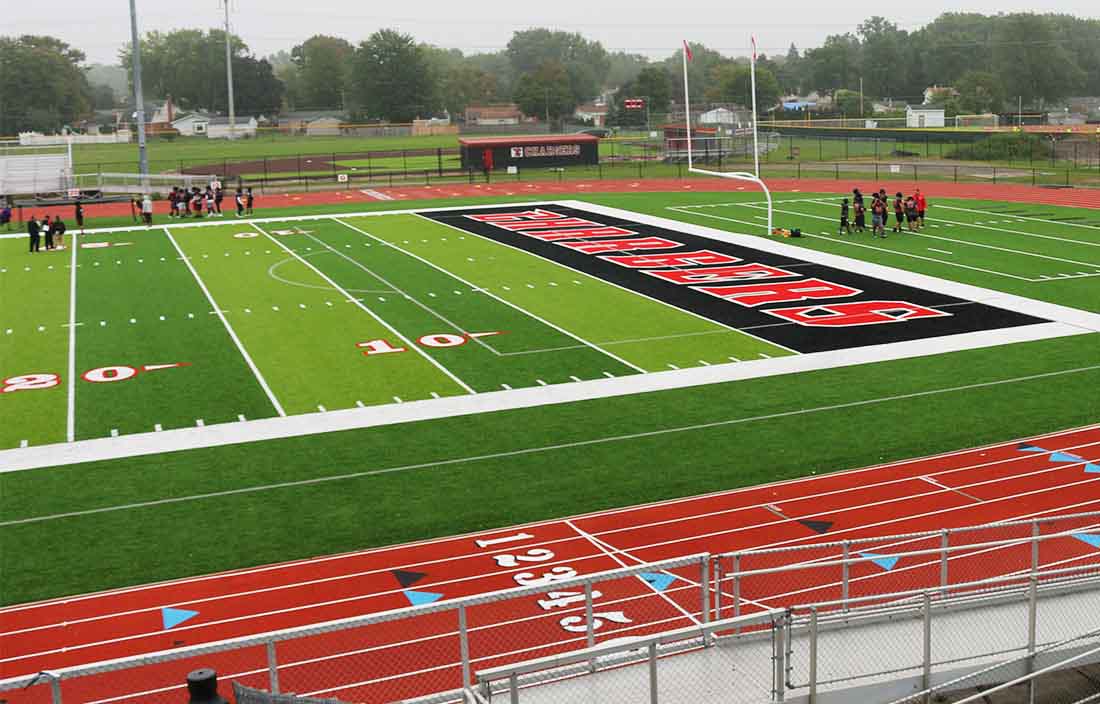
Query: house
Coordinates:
[936,94]
[218,128]
[727,117]
[1065,117]
[591,112]
[191,124]
[509,114]
[924,117]
[296,121]
[324,127]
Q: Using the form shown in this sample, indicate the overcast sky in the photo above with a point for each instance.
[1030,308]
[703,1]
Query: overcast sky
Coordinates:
[100,28]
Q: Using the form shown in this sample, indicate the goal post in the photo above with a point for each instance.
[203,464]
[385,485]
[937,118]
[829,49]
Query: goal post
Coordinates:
[983,120]
[735,175]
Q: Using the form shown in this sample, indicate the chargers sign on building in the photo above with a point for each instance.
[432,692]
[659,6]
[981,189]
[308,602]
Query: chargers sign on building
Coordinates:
[540,151]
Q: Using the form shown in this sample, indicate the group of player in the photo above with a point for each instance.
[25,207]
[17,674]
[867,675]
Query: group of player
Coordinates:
[908,211]
[185,203]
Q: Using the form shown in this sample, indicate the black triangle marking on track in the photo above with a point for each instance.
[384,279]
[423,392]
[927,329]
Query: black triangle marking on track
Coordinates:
[819,527]
[406,578]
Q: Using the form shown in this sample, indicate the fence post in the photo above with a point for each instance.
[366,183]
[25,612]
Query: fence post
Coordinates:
[926,676]
[813,655]
[653,673]
[513,688]
[439,159]
[944,539]
[914,172]
[272,668]
[844,574]
[876,171]
[737,588]
[956,174]
[836,169]
[464,645]
[1032,620]
[704,588]
[779,655]
[718,589]
[55,689]
[589,630]
[994,175]
[1035,546]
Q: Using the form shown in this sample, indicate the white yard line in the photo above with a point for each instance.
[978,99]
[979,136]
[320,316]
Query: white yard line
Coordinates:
[425,307]
[850,243]
[615,285]
[526,312]
[229,328]
[1043,220]
[70,415]
[349,297]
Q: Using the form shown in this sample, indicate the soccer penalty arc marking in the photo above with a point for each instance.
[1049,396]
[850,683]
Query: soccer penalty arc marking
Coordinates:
[800,304]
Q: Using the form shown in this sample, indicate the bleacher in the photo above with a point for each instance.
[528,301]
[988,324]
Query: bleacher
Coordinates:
[34,172]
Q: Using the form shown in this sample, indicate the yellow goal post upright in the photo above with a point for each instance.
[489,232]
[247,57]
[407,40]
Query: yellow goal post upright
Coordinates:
[736,175]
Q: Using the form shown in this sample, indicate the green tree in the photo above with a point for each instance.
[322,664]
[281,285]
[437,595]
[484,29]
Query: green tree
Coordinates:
[189,65]
[1032,61]
[881,57]
[322,63]
[545,92]
[732,83]
[42,84]
[700,70]
[624,67]
[103,96]
[465,84]
[979,92]
[653,84]
[585,62]
[390,78]
[847,102]
[835,64]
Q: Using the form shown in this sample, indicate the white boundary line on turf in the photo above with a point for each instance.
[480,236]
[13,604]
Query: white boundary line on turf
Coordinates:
[584,343]
[359,304]
[429,409]
[70,411]
[1033,219]
[228,328]
[291,564]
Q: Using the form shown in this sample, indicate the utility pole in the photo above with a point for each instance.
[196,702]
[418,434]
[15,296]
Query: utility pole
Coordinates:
[139,99]
[861,97]
[546,104]
[229,76]
[1020,112]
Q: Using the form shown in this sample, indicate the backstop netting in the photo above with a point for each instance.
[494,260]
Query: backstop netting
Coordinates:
[28,171]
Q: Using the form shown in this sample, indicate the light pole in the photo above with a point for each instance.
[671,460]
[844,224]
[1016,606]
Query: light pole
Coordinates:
[139,99]
[229,76]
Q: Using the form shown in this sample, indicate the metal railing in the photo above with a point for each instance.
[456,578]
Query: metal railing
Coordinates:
[428,648]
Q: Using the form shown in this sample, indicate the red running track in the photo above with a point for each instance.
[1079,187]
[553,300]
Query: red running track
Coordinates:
[405,658]
[1015,193]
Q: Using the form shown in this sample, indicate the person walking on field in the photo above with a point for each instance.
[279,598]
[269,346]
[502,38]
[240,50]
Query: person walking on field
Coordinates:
[80,215]
[845,226]
[249,200]
[57,232]
[147,209]
[899,211]
[239,200]
[32,231]
[878,217]
[922,205]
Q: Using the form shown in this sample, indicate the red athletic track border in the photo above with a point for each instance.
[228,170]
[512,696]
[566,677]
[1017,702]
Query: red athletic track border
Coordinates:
[402,659]
[1074,197]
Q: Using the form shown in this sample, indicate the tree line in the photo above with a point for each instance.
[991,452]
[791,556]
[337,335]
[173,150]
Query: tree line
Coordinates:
[990,61]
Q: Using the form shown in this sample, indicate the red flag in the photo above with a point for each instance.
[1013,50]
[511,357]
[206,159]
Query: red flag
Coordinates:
[754,47]
[687,51]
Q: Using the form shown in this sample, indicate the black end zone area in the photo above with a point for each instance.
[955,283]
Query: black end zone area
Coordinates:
[965,316]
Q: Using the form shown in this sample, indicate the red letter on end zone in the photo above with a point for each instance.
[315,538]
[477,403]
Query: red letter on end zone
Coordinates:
[646,261]
[621,245]
[555,235]
[837,315]
[750,295]
[716,274]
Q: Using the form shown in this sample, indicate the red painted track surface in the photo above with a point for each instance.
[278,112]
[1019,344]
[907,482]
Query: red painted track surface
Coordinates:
[417,656]
[1077,197]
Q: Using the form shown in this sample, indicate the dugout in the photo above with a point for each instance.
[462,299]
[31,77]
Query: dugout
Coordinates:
[533,151]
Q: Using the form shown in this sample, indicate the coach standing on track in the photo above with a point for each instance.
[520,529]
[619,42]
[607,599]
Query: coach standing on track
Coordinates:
[33,230]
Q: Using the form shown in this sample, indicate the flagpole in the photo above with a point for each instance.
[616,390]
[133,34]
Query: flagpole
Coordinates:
[687,104]
[752,80]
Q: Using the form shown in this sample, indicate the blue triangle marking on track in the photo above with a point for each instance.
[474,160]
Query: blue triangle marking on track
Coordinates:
[417,598]
[1063,457]
[173,617]
[1024,447]
[657,580]
[886,562]
[1092,468]
[1093,540]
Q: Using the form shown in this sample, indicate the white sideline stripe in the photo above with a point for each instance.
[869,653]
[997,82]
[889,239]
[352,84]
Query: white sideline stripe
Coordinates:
[609,553]
[229,328]
[356,418]
[70,411]
[435,363]
[598,514]
[492,295]
[1033,234]
[536,450]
